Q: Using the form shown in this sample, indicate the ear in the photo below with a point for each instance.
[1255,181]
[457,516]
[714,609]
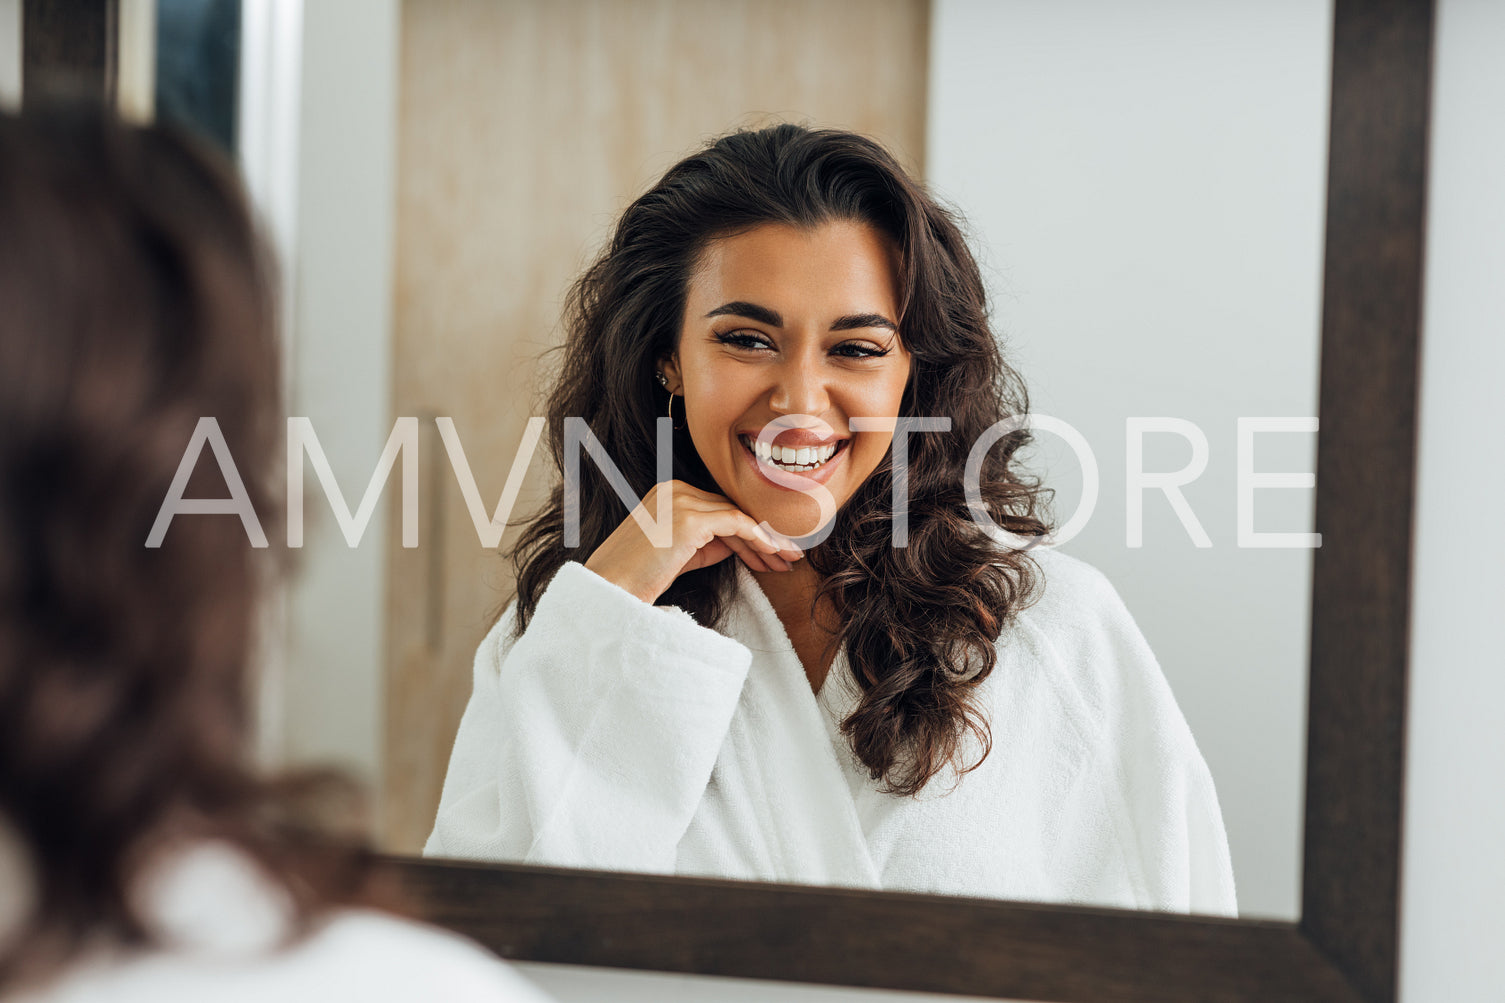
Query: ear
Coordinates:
[670,368]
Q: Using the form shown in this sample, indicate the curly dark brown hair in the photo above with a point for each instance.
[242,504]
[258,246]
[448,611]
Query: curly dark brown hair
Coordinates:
[136,300]
[920,622]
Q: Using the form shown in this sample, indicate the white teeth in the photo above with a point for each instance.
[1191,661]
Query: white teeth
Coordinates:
[802,459]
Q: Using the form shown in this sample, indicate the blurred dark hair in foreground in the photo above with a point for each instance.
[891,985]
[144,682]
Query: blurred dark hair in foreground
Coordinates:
[135,297]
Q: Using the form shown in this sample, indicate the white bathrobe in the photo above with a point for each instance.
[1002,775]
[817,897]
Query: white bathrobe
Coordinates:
[618,735]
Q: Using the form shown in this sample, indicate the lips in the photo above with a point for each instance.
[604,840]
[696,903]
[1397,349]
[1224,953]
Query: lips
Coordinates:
[796,437]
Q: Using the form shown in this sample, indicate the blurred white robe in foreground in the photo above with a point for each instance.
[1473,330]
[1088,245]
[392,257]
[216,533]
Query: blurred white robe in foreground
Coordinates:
[622,736]
[223,928]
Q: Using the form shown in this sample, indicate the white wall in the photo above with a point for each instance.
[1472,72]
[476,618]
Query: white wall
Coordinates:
[1454,871]
[341,374]
[1146,183]
[319,133]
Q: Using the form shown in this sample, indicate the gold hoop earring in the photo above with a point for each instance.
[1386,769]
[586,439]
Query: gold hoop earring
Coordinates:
[663,381]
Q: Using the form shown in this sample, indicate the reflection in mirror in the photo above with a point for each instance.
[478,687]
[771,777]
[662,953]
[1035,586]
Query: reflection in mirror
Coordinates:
[1142,188]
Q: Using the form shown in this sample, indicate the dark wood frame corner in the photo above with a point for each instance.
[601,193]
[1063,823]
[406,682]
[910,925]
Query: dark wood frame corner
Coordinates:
[1344,947]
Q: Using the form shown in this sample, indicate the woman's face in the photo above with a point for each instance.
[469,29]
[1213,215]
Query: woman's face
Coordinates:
[787,321]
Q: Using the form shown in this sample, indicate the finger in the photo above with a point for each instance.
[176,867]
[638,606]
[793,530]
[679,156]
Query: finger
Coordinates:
[770,541]
[764,539]
[728,520]
[786,547]
[689,492]
[773,561]
[775,541]
[733,522]
[712,553]
[705,503]
[749,556]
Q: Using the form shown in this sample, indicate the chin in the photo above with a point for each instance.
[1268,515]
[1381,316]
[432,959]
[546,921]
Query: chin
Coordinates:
[794,517]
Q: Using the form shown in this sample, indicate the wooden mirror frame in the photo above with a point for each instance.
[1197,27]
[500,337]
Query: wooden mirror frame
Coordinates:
[1344,947]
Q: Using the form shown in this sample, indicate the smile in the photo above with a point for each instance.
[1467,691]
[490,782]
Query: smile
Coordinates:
[795,461]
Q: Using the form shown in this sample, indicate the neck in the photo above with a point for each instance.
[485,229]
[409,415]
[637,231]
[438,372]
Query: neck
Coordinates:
[789,593]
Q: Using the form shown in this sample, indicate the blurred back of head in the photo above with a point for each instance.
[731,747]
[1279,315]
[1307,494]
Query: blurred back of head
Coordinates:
[134,300]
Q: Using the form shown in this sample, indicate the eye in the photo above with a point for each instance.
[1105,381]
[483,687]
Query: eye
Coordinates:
[859,350]
[742,339]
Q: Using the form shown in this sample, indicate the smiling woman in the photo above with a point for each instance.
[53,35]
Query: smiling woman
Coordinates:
[947,714]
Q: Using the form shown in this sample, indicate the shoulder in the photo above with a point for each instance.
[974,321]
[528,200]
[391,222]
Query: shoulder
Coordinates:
[1078,618]
[222,924]
[399,959]
[1080,628]
[1071,592]
[355,954]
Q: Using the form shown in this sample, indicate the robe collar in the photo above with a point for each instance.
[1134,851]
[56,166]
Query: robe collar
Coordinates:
[792,737]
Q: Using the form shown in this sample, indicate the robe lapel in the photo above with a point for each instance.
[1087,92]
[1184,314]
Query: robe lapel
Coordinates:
[837,698]
[784,736]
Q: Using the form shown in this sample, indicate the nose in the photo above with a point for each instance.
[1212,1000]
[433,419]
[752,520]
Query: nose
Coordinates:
[800,387]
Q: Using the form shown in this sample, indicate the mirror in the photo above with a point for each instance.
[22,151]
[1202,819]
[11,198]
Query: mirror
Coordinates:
[1153,255]
[1144,189]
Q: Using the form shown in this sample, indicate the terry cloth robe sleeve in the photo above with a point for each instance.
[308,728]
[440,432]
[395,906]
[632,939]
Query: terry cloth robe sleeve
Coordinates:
[589,740]
[1160,797]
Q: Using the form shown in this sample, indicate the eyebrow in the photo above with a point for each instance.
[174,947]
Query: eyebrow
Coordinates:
[763,315]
